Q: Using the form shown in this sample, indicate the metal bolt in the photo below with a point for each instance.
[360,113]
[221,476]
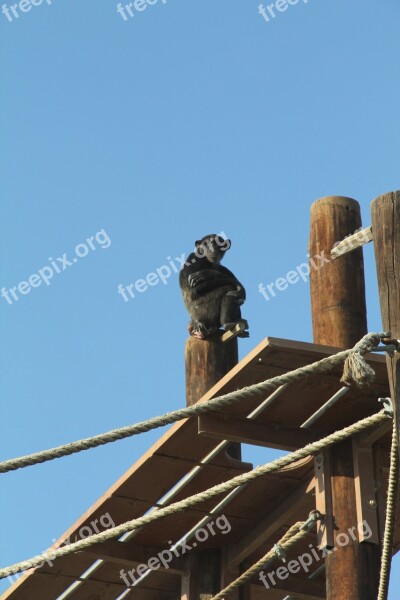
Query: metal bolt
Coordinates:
[372,503]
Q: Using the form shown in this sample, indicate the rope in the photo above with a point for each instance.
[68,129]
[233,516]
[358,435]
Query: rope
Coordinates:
[227,486]
[291,537]
[356,371]
[390,518]
[368,342]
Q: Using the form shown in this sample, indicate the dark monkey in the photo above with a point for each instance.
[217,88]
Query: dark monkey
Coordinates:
[211,293]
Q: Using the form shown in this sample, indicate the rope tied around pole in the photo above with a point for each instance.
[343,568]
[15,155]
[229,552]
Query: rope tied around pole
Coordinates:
[296,533]
[356,370]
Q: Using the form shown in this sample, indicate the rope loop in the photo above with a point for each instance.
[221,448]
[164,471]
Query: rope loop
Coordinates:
[356,370]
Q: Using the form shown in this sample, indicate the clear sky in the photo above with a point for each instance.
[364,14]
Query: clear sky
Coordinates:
[188,118]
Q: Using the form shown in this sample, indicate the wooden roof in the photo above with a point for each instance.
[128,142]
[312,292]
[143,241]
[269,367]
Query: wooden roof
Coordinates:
[259,514]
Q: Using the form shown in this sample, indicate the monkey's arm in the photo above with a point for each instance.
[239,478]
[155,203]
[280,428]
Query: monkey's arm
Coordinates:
[206,281]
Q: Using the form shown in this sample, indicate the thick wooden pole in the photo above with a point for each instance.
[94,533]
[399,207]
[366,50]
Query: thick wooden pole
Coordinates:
[337,287]
[206,361]
[385,212]
[339,319]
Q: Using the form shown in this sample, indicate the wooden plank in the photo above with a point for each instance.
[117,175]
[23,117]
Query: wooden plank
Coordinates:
[267,526]
[375,434]
[228,427]
[65,568]
[131,555]
[95,590]
[323,500]
[301,589]
[38,586]
[365,489]
[238,331]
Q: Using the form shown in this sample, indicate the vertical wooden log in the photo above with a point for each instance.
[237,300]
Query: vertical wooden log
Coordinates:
[385,212]
[340,319]
[207,361]
[338,304]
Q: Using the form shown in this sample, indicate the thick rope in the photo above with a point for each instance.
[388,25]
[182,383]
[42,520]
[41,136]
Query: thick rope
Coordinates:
[291,537]
[227,486]
[387,547]
[356,371]
[323,366]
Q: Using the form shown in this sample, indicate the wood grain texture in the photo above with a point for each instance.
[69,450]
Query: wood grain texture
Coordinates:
[338,287]
[340,319]
[385,212]
[207,361]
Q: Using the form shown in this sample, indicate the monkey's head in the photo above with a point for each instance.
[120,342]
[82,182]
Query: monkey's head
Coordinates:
[212,247]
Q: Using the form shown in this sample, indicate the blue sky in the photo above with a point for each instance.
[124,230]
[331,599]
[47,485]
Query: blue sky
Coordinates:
[189,118]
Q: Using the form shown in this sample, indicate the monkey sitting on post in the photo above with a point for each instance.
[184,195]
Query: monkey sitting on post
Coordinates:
[211,293]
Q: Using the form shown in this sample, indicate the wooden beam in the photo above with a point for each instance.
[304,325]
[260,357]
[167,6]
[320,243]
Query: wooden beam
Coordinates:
[301,589]
[236,429]
[374,434]
[365,487]
[340,319]
[129,555]
[385,212]
[284,514]
[323,499]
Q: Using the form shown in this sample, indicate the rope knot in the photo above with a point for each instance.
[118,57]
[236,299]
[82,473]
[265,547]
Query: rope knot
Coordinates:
[356,370]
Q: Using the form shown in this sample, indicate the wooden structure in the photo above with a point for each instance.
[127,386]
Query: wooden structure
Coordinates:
[193,455]
[259,514]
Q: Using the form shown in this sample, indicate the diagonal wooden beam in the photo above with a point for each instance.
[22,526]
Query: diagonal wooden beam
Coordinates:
[267,527]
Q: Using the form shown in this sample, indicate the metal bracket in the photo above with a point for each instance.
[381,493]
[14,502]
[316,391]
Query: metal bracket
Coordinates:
[387,406]
[314,516]
[391,346]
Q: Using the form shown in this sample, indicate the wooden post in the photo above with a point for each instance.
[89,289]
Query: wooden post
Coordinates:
[385,212]
[206,361]
[338,304]
[339,319]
